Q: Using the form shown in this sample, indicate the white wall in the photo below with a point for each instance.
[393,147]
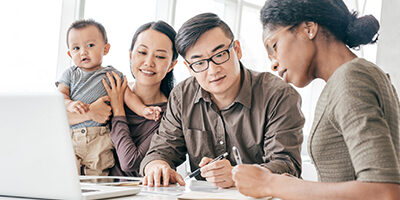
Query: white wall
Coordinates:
[388,56]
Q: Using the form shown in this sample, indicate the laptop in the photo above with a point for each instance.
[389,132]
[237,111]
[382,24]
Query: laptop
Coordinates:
[36,153]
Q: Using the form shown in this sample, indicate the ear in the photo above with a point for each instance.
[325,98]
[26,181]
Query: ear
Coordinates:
[238,49]
[310,29]
[69,53]
[107,48]
[130,55]
[172,65]
[190,70]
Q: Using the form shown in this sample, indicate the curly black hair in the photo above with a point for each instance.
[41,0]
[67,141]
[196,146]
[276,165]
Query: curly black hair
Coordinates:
[333,15]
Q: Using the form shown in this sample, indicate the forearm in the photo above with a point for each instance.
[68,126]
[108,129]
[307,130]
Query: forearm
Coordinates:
[292,188]
[284,136]
[134,102]
[76,118]
[118,111]
[282,165]
[282,152]
[167,147]
[153,156]
[129,154]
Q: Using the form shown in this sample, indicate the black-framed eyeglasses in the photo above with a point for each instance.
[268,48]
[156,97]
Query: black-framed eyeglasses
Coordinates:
[218,58]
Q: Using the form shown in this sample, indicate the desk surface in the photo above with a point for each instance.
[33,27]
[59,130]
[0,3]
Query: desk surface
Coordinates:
[194,188]
[199,189]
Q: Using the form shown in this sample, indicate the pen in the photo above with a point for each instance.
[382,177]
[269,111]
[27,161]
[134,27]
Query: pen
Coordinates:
[197,171]
[236,154]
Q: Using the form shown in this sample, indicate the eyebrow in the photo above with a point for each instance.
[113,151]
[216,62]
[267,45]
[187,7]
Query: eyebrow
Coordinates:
[214,50]
[160,50]
[143,46]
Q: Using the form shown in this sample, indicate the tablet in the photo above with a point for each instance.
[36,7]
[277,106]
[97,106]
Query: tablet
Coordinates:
[111,180]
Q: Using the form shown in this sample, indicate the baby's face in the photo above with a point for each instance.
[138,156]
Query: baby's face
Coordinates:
[87,48]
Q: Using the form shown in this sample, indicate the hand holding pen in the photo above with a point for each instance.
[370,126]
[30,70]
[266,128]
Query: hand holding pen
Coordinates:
[218,172]
[197,171]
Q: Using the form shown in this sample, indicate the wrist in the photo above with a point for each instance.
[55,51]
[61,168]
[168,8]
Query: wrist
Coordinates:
[87,116]
[143,110]
[270,183]
[118,109]
[67,101]
[118,112]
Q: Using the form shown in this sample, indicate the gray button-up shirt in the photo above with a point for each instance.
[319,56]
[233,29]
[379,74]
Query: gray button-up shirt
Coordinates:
[264,122]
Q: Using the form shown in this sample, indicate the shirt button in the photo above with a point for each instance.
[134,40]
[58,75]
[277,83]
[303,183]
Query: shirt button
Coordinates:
[83,131]
[221,142]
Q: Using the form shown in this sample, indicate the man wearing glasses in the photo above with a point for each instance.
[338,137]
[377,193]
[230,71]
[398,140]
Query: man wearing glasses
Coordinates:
[223,105]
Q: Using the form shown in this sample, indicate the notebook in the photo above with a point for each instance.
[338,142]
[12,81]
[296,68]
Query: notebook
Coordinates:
[36,153]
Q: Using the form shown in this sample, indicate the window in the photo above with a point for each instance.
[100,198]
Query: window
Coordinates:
[254,54]
[30,37]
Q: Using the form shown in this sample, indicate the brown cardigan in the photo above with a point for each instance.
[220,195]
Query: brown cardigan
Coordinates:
[131,136]
[355,135]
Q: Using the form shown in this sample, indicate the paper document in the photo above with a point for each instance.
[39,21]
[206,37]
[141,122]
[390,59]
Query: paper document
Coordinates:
[173,189]
[205,190]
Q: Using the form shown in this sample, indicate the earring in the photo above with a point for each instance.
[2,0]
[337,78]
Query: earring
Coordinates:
[310,35]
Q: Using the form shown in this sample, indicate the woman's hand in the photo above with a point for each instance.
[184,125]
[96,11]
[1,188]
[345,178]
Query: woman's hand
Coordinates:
[116,92]
[251,180]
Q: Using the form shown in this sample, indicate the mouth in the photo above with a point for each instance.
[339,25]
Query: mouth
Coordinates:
[85,60]
[147,72]
[216,80]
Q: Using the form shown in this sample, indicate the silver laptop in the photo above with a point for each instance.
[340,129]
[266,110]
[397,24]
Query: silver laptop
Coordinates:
[36,154]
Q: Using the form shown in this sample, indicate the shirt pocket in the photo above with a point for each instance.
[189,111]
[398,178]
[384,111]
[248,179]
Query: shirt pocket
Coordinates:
[199,144]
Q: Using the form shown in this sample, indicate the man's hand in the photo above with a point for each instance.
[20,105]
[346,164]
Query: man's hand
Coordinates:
[159,170]
[219,172]
[252,180]
[99,111]
[152,112]
[77,107]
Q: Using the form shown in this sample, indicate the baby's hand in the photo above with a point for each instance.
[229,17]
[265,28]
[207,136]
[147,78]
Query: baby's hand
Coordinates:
[152,113]
[77,107]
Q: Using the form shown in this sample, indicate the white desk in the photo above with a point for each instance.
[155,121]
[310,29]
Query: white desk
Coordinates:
[174,191]
[194,187]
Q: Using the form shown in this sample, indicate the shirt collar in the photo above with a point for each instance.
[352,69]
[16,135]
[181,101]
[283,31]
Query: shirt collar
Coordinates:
[201,94]
[245,92]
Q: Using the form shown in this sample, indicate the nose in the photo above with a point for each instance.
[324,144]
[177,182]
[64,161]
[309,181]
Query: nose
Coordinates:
[274,65]
[148,60]
[213,68]
[83,51]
